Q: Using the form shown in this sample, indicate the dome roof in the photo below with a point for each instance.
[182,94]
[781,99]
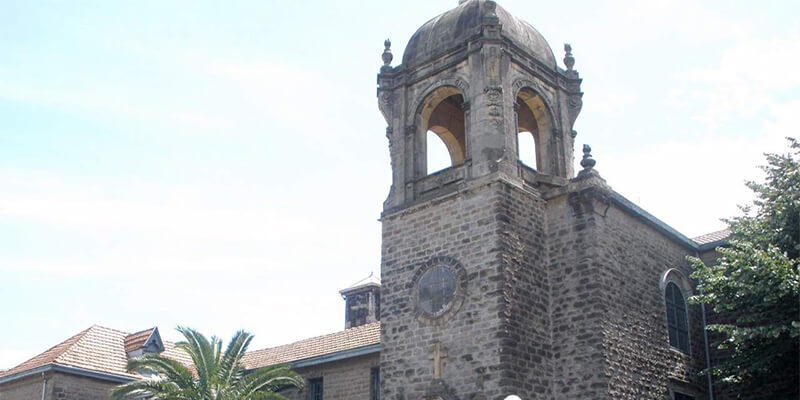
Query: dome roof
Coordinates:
[455,27]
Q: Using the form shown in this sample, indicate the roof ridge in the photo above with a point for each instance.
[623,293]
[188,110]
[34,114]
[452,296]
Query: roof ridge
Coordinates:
[360,327]
[67,344]
[141,331]
[77,342]
[713,237]
[712,233]
[109,329]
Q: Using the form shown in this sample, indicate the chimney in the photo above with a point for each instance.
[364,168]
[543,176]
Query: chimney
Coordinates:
[362,302]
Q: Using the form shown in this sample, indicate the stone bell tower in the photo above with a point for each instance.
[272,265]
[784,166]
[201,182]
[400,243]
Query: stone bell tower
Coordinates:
[464,259]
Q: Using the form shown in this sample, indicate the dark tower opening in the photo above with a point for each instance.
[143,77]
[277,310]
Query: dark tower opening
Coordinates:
[527,150]
[446,121]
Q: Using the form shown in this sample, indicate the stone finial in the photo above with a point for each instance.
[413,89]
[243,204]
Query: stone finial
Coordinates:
[491,6]
[387,53]
[569,60]
[587,162]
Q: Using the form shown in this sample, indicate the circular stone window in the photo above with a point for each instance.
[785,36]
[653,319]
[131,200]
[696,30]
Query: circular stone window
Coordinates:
[437,290]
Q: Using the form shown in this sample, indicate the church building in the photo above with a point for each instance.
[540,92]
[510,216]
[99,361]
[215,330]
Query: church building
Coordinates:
[498,277]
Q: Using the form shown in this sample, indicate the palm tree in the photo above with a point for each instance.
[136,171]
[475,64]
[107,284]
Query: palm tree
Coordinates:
[216,375]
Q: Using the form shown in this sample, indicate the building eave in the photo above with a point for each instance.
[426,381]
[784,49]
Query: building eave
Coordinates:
[711,245]
[339,355]
[67,370]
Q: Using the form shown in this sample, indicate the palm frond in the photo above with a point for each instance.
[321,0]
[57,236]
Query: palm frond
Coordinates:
[270,379]
[219,375]
[202,352]
[160,390]
[230,369]
[171,369]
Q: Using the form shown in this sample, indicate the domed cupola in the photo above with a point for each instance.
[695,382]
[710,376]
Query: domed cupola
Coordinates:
[455,28]
[476,82]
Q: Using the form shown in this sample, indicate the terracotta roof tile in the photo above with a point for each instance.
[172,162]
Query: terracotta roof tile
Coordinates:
[49,356]
[352,338]
[136,341]
[104,350]
[172,351]
[713,237]
[97,349]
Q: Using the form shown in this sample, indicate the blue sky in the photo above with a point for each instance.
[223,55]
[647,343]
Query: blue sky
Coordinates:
[222,165]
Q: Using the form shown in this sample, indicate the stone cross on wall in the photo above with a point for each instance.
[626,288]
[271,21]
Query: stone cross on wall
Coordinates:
[437,357]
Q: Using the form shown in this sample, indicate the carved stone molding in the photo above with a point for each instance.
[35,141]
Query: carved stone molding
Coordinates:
[540,89]
[461,277]
[494,100]
[575,105]
[459,83]
[586,201]
[389,131]
[546,95]
[385,104]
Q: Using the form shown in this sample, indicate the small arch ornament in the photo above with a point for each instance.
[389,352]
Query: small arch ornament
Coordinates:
[458,83]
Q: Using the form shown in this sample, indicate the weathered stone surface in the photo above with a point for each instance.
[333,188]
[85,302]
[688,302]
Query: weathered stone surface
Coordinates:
[562,296]
[346,379]
[60,386]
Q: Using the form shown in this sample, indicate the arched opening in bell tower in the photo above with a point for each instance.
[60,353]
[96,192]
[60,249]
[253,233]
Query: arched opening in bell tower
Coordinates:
[444,123]
[437,153]
[533,127]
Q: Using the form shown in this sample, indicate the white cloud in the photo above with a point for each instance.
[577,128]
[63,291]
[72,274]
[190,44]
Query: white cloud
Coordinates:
[155,227]
[691,185]
[635,24]
[746,81]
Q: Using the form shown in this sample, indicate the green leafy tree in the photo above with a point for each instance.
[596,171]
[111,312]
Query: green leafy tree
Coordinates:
[754,287]
[216,375]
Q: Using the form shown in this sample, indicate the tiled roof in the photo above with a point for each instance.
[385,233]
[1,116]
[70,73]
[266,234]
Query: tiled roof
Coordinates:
[103,350]
[98,349]
[348,339]
[137,340]
[713,237]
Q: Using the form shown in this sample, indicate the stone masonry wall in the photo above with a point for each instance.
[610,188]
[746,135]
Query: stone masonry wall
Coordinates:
[610,328]
[526,351]
[341,380]
[492,342]
[357,309]
[577,311]
[72,387]
[60,386]
[23,389]
[636,346]
[609,314]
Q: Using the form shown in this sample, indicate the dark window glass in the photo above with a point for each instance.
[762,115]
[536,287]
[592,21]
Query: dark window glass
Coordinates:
[437,288]
[677,325]
[681,396]
[375,384]
[315,389]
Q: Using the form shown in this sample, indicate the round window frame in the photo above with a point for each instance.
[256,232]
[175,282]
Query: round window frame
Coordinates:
[455,304]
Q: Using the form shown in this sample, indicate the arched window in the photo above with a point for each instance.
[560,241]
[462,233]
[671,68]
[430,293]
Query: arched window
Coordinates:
[526,148]
[677,321]
[533,129]
[443,118]
[438,156]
